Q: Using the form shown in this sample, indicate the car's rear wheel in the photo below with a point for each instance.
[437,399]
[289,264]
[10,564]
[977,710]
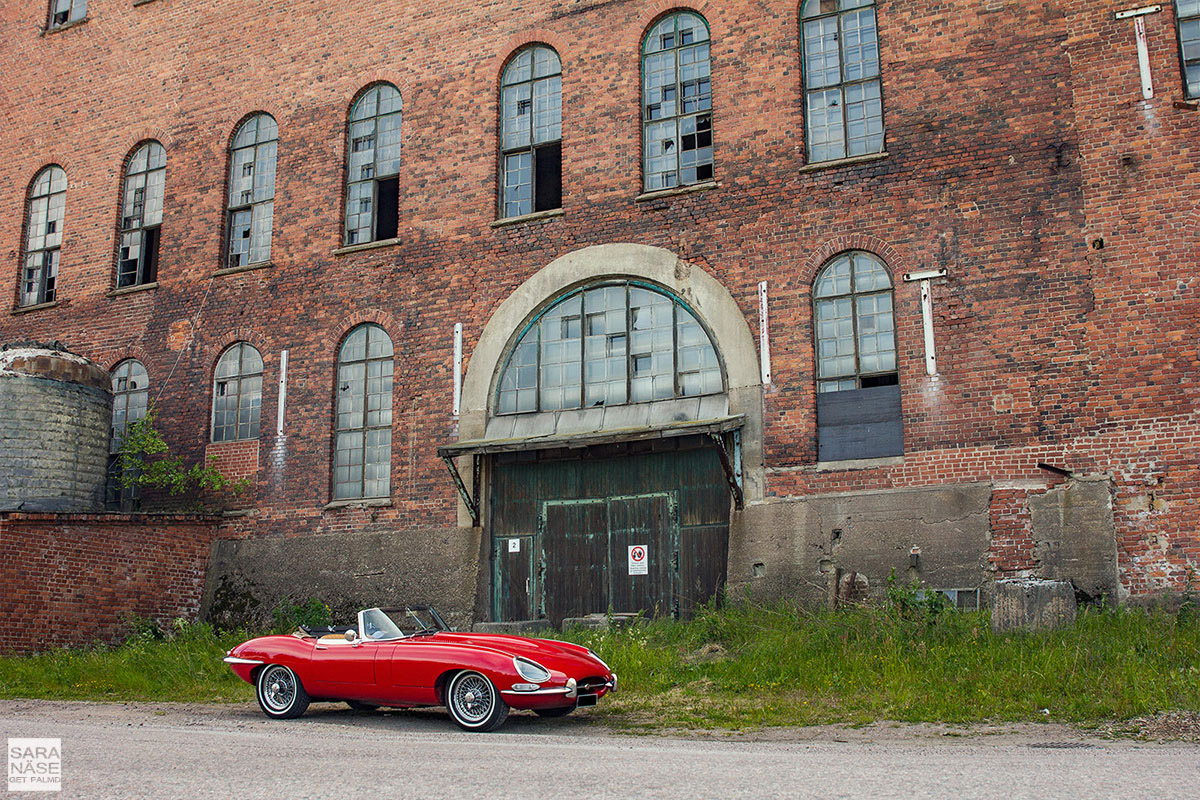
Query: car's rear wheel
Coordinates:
[360,706]
[474,702]
[280,693]
[554,712]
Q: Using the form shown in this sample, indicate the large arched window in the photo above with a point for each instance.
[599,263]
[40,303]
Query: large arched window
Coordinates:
[1187,17]
[141,215]
[237,394]
[858,396]
[843,109]
[373,166]
[251,191]
[363,447]
[609,344]
[676,103]
[43,236]
[131,399]
[531,132]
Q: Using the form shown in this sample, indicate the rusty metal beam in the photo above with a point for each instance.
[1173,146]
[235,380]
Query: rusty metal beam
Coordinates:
[732,473]
[471,503]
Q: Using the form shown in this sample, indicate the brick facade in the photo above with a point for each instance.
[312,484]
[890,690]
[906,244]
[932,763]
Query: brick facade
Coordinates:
[1020,156]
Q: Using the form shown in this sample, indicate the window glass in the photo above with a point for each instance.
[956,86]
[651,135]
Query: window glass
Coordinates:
[373,156]
[43,236]
[842,100]
[531,133]
[131,399]
[609,344]
[141,215]
[252,191]
[1187,16]
[855,324]
[237,394]
[64,12]
[363,438]
[676,103]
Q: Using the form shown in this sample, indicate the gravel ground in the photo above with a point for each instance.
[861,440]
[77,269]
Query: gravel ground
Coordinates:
[163,750]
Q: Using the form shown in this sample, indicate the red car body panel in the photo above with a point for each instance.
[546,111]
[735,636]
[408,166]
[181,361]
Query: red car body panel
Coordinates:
[413,671]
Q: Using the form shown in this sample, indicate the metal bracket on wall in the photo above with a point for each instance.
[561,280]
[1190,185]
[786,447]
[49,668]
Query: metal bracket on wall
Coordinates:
[732,465]
[470,499]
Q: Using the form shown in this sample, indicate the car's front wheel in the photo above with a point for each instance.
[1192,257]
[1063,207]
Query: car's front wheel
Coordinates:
[280,693]
[474,702]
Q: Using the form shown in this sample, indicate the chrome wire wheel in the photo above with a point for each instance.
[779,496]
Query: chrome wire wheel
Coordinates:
[278,688]
[474,702]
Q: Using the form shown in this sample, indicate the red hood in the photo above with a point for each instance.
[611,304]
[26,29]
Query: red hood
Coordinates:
[550,653]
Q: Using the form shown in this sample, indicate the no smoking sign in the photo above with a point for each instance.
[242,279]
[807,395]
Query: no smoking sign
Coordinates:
[638,563]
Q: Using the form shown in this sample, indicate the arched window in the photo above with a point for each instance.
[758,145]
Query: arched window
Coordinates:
[1187,17]
[843,107]
[43,236]
[131,398]
[237,394]
[141,215]
[676,103]
[373,166]
[362,463]
[252,191]
[65,12]
[609,344]
[858,393]
[531,133]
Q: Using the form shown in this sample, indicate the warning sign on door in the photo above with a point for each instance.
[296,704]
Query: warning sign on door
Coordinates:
[638,564]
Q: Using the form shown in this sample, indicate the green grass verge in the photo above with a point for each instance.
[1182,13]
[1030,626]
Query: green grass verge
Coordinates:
[751,666]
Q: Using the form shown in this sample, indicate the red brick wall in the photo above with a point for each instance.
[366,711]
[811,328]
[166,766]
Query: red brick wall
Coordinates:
[73,579]
[1016,138]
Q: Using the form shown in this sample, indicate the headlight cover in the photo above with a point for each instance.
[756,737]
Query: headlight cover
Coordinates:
[598,658]
[531,670]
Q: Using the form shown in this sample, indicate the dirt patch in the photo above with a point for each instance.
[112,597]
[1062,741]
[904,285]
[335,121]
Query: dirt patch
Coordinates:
[1178,726]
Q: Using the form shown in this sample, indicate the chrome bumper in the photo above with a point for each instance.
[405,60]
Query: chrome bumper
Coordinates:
[236,660]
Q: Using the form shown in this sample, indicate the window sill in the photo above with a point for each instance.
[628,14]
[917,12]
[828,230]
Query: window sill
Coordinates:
[243,267]
[676,190]
[66,27]
[137,3]
[141,287]
[843,162]
[358,248]
[534,217]
[857,463]
[370,502]
[38,307]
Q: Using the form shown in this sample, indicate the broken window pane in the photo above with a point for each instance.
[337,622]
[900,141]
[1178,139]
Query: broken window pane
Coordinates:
[843,107]
[531,130]
[64,12]
[43,236]
[237,394]
[1187,15]
[252,191]
[363,404]
[855,322]
[373,158]
[609,344]
[131,398]
[677,101]
[141,215]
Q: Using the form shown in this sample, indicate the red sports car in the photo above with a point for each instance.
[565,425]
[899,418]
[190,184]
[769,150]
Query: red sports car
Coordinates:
[408,657]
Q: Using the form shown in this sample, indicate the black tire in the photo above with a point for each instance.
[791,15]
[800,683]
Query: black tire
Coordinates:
[360,706]
[550,713]
[280,693]
[474,703]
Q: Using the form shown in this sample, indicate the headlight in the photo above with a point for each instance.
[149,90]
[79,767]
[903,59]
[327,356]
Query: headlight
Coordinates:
[598,658]
[531,670]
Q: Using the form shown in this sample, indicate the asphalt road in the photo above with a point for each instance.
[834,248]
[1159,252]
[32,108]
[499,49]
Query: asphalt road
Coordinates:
[195,751]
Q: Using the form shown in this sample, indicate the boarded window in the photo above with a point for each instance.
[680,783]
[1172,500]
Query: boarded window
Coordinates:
[131,398]
[858,392]
[43,236]
[237,394]
[64,12]
[141,215]
[842,100]
[373,164]
[677,141]
[531,133]
[363,448]
[609,344]
[252,191]
[1187,15]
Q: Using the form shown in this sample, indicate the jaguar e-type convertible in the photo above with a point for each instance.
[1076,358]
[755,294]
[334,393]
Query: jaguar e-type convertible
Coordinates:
[408,657]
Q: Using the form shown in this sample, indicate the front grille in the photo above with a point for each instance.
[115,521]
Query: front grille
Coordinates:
[592,684]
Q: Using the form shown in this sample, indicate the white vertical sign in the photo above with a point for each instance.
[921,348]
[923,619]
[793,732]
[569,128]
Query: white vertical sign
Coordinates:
[458,354]
[764,335]
[283,364]
[1143,51]
[927,323]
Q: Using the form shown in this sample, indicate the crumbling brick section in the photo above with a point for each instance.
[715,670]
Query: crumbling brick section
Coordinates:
[74,579]
[1012,552]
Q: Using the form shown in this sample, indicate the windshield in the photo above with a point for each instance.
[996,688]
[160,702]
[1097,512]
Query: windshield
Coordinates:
[395,623]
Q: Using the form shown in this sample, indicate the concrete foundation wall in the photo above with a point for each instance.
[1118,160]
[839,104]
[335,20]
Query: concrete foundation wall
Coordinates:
[247,578]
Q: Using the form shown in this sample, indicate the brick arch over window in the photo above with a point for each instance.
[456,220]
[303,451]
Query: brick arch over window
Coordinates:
[712,303]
